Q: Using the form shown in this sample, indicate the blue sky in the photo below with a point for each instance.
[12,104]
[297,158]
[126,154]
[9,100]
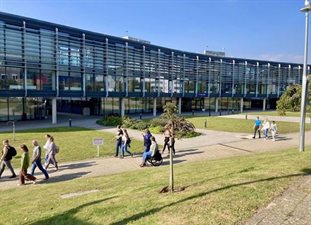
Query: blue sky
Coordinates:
[256,29]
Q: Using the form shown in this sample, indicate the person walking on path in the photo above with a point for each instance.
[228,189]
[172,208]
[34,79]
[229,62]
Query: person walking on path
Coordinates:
[47,147]
[257,127]
[118,140]
[36,160]
[172,142]
[125,143]
[265,128]
[7,154]
[147,140]
[274,130]
[24,166]
[167,136]
[153,149]
[51,154]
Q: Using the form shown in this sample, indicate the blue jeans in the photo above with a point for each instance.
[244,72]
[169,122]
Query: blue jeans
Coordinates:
[146,155]
[38,164]
[265,132]
[118,147]
[124,149]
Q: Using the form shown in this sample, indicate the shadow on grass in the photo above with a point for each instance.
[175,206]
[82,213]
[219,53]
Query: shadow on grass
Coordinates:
[64,177]
[199,195]
[68,217]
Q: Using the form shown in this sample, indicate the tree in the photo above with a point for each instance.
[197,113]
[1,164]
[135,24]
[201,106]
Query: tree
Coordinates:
[291,100]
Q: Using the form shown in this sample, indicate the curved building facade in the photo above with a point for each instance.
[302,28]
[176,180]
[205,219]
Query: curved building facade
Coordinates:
[47,68]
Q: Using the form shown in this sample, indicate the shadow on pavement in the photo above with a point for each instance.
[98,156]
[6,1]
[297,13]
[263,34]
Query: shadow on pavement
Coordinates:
[77,165]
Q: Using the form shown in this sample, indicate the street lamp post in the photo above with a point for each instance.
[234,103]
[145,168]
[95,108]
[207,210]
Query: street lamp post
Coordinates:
[306,10]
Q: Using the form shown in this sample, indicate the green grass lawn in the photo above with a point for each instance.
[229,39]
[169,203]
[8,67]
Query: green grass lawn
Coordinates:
[275,113]
[75,142]
[227,191]
[240,125]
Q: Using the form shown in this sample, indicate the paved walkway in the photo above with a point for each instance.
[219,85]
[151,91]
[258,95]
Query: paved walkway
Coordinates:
[293,207]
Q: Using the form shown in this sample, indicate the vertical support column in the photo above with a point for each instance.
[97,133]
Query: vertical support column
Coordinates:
[57,62]
[179,105]
[143,79]
[83,65]
[122,107]
[233,77]
[268,82]
[245,79]
[220,79]
[54,111]
[197,76]
[158,84]
[241,105]
[183,79]
[257,76]
[217,105]
[209,77]
[264,104]
[24,57]
[126,70]
[154,107]
[106,68]
[279,79]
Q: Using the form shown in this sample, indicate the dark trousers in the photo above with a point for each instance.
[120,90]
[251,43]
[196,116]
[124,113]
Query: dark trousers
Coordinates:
[166,144]
[9,165]
[257,128]
[38,164]
[24,175]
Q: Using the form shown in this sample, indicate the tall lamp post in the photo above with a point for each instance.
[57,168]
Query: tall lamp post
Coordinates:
[306,10]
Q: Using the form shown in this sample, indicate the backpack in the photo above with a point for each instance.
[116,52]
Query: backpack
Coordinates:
[128,142]
[12,151]
[56,149]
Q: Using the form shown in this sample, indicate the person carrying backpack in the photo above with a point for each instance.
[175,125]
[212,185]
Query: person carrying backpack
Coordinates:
[8,152]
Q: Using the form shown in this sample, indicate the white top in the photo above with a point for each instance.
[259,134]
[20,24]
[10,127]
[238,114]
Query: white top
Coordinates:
[274,127]
[266,125]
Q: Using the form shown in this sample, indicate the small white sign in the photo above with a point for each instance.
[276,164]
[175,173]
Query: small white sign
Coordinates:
[98,141]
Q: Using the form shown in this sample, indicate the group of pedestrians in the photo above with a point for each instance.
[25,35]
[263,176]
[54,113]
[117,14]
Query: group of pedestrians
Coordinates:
[8,152]
[123,142]
[265,127]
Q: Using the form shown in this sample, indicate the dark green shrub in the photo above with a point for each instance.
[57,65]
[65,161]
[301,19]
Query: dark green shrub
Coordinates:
[158,122]
[141,125]
[110,121]
[186,134]
[128,122]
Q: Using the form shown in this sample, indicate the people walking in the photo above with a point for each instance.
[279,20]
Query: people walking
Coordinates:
[147,140]
[7,154]
[51,154]
[274,130]
[125,143]
[118,140]
[149,154]
[257,127]
[24,166]
[46,147]
[265,128]
[36,160]
[172,142]
[167,136]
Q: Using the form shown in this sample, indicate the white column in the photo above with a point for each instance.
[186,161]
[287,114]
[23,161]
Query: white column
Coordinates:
[179,105]
[54,111]
[216,106]
[155,107]
[241,105]
[122,106]
[264,104]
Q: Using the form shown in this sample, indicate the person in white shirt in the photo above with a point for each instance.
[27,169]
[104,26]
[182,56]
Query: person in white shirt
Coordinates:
[265,128]
[274,130]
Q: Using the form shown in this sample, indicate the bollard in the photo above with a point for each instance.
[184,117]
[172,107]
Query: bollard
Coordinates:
[220,113]
[69,122]
[205,123]
[192,112]
[246,116]
[140,116]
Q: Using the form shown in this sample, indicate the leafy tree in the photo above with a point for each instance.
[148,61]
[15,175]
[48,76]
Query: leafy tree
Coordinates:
[291,100]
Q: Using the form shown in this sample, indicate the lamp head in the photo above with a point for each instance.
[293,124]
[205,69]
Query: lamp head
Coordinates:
[307,2]
[307,7]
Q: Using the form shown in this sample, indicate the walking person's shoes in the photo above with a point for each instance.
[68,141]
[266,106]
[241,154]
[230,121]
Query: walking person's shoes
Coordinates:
[13,176]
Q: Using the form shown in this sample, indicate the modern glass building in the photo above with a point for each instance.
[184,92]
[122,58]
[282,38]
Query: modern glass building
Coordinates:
[47,68]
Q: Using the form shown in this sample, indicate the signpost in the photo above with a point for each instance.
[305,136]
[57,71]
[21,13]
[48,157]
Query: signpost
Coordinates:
[98,142]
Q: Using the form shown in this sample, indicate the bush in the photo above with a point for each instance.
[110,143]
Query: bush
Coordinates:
[158,122]
[186,134]
[110,121]
[141,125]
[156,130]
[128,122]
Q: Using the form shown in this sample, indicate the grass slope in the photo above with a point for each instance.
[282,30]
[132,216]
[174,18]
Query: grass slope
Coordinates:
[226,191]
[240,125]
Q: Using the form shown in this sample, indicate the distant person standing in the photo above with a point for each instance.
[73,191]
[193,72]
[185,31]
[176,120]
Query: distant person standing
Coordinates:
[24,166]
[274,130]
[36,160]
[7,154]
[172,140]
[118,140]
[46,147]
[257,127]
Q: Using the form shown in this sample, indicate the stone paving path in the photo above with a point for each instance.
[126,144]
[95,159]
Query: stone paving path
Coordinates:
[293,207]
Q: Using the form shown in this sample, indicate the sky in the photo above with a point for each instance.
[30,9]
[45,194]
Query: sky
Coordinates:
[255,29]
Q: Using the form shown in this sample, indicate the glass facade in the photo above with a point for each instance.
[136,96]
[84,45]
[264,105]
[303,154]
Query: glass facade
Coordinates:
[43,60]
